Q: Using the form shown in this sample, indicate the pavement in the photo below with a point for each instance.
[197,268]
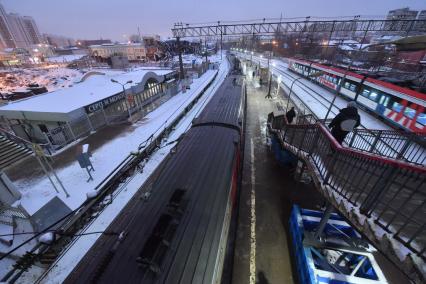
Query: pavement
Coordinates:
[274,191]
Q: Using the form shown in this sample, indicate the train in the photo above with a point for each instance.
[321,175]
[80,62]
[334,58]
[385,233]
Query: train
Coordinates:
[402,107]
[182,228]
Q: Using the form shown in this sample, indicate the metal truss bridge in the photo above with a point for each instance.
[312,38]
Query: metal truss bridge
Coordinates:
[406,27]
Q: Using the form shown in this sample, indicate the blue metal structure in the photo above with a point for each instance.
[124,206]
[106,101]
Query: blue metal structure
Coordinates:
[342,256]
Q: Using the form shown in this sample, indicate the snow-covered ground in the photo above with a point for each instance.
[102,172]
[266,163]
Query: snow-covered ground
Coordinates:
[156,120]
[65,58]
[190,59]
[52,77]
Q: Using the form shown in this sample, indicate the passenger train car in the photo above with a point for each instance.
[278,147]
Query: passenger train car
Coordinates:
[402,107]
[182,230]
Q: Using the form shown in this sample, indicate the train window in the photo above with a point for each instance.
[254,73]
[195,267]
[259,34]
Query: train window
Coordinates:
[384,100]
[422,118]
[365,93]
[397,107]
[409,112]
[347,85]
[373,96]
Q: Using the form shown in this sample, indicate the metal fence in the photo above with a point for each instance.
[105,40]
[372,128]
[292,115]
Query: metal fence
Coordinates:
[116,113]
[390,191]
[408,147]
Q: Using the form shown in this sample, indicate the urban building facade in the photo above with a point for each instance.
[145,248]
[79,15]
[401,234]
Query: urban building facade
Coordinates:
[58,41]
[17,31]
[133,51]
[402,16]
[88,42]
[6,38]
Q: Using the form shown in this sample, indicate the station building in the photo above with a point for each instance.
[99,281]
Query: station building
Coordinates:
[58,118]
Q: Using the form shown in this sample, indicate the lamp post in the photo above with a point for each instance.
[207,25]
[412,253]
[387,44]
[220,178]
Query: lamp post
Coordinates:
[291,89]
[124,92]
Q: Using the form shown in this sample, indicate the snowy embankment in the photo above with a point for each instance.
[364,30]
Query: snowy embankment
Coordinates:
[76,250]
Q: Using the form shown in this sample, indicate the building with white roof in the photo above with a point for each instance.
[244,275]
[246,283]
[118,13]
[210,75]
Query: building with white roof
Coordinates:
[60,117]
[133,51]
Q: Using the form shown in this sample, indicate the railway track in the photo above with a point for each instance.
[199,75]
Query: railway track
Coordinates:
[369,142]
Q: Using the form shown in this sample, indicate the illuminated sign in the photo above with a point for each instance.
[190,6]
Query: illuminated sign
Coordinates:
[104,103]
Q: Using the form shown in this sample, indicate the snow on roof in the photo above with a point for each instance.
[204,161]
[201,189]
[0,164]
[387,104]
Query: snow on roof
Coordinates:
[65,58]
[91,90]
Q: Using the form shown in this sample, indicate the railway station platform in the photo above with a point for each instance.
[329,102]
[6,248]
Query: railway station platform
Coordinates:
[263,252]
[273,191]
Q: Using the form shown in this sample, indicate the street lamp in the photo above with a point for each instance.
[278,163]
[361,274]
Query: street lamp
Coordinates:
[289,94]
[124,92]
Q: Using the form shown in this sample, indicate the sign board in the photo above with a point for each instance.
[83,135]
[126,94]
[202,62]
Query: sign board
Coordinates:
[104,103]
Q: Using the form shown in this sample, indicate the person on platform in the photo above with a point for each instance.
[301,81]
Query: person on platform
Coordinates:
[290,115]
[345,121]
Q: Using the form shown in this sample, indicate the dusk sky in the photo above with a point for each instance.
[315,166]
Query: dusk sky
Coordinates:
[116,19]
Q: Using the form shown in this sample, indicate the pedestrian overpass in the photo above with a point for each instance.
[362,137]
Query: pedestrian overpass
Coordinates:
[377,181]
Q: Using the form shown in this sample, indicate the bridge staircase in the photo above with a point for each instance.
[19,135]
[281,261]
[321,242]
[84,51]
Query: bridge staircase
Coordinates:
[13,149]
[376,180]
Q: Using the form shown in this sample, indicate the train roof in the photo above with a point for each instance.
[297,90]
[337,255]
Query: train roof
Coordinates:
[224,109]
[179,226]
[382,84]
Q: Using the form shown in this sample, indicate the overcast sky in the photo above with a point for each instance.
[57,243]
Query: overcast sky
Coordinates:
[116,19]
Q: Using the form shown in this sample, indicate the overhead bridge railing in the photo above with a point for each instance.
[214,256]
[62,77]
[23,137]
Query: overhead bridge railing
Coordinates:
[391,193]
[409,147]
[394,144]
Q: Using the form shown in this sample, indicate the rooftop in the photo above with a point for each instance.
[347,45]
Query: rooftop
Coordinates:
[95,88]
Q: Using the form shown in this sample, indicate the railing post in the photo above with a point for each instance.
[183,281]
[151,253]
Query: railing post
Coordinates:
[373,146]
[354,133]
[90,123]
[404,149]
[377,190]
[72,132]
[330,170]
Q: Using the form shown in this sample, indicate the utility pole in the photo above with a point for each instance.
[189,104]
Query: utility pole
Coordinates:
[181,75]
[221,34]
[205,47]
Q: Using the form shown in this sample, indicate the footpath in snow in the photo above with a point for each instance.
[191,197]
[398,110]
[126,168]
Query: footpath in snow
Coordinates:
[76,250]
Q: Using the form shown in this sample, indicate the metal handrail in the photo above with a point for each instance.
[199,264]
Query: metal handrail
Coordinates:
[23,142]
[390,191]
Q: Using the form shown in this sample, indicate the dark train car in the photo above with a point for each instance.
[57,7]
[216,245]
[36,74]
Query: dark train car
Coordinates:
[181,233]
[401,107]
